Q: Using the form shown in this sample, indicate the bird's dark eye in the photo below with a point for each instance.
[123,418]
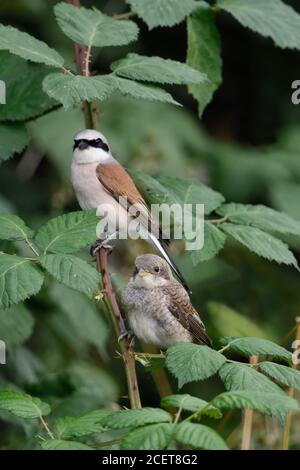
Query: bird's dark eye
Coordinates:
[98,143]
[156,269]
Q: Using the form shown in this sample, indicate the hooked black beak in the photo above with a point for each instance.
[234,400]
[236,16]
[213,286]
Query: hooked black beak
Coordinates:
[81,144]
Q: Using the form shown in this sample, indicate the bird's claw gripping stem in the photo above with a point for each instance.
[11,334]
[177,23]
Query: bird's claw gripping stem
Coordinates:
[98,245]
[128,335]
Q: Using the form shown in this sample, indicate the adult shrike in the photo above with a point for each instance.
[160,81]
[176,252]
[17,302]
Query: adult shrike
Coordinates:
[101,183]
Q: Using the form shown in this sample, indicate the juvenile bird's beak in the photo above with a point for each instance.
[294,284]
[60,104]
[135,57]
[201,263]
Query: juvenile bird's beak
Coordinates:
[83,145]
[143,273]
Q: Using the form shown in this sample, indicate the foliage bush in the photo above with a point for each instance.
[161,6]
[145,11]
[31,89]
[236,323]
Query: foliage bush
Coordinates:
[66,397]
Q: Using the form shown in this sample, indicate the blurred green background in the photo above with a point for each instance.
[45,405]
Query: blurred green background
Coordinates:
[246,146]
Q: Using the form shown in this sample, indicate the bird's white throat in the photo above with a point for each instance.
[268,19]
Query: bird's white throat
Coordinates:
[149,281]
[91,155]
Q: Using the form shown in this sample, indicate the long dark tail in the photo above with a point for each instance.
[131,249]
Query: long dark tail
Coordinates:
[157,243]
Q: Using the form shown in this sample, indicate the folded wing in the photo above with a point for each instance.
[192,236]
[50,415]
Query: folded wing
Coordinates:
[180,306]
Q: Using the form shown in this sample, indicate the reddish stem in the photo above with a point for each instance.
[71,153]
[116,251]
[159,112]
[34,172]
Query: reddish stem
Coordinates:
[91,121]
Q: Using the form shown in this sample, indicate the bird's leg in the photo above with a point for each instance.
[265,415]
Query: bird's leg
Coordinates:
[131,338]
[94,246]
[128,335]
[102,243]
[98,245]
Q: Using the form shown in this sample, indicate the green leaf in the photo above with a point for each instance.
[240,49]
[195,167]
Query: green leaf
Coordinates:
[151,364]
[26,367]
[162,13]
[30,427]
[24,92]
[204,54]
[282,374]
[164,189]
[156,69]
[199,437]
[243,377]
[152,437]
[44,131]
[229,322]
[69,427]
[214,241]
[134,418]
[190,403]
[23,405]
[190,362]
[73,272]
[56,444]
[270,18]
[67,233]
[126,138]
[189,192]
[261,243]
[73,89]
[94,387]
[285,196]
[261,217]
[6,206]
[141,91]
[19,279]
[92,28]
[258,347]
[13,228]
[153,189]
[275,404]
[13,139]
[68,319]
[27,47]
[245,173]
[16,325]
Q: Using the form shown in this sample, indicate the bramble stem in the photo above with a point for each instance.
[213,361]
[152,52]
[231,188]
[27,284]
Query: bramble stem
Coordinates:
[288,336]
[227,346]
[124,16]
[87,61]
[31,246]
[44,423]
[159,376]
[106,443]
[248,419]
[215,8]
[118,322]
[82,64]
[218,221]
[82,54]
[291,392]
[147,355]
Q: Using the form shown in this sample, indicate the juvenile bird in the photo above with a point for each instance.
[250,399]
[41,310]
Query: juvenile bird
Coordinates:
[100,181]
[158,308]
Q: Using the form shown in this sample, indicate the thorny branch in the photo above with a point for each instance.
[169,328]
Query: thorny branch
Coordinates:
[82,56]
[291,392]
[248,419]
[113,308]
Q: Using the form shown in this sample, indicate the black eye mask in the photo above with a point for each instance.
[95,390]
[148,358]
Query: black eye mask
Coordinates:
[97,143]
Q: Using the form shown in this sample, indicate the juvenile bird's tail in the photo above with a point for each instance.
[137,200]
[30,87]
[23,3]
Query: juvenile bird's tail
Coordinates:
[157,243]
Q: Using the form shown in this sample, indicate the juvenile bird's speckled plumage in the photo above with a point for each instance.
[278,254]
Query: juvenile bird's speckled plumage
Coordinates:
[159,309]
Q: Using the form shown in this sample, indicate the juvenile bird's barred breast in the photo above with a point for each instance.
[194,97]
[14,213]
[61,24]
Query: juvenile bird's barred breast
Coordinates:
[150,318]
